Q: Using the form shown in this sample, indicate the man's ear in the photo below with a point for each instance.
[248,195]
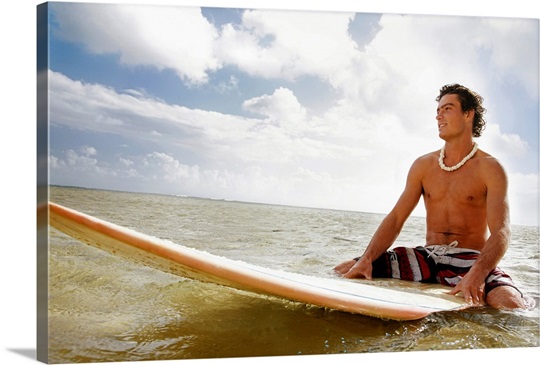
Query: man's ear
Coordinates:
[469,114]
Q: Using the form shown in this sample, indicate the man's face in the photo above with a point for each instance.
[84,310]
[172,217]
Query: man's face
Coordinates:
[451,119]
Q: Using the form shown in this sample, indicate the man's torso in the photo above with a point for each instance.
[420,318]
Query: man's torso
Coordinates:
[456,203]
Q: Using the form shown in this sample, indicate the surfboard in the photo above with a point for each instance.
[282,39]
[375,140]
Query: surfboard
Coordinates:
[353,296]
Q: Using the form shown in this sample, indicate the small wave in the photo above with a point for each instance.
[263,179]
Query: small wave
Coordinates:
[344,239]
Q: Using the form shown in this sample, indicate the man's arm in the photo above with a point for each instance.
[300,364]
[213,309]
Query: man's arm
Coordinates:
[389,228]
[473,283]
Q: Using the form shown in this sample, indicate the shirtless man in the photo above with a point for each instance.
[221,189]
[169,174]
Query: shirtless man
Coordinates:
[467,216]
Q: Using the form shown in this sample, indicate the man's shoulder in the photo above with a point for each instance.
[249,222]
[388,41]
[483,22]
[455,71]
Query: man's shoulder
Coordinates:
[427,158]
[487,159]
[488,163]
[423,164]
[483,160]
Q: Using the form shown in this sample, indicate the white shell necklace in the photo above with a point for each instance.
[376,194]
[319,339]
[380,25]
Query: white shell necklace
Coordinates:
[461,163]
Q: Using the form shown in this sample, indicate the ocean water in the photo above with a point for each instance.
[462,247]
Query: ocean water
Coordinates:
[104,308]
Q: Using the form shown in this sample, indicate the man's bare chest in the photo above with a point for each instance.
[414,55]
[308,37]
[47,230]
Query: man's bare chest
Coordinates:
[454,188]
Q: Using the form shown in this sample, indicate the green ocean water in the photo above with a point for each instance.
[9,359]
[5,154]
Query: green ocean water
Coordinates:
[104,308]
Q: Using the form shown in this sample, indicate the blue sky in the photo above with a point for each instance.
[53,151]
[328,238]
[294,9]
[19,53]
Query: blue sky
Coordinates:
[299,107]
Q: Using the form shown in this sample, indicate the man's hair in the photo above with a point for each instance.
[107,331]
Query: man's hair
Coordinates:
[469,101]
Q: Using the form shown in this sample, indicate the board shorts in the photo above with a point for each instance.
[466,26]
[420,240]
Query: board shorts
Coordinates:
[443,264]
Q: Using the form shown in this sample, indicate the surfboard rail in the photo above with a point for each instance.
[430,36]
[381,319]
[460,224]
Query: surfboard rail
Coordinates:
[340,294]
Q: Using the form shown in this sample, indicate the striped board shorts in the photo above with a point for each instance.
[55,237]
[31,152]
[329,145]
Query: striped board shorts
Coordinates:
[443,264]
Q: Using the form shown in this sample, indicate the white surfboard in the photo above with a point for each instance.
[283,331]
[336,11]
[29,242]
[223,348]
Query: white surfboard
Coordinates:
[353,296]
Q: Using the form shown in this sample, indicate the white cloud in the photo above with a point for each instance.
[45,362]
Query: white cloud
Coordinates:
[171,170]
[281,107]
[411,57]
[418,53]
[55,162]
[523,193]
[157,36]
[230,146]
[508,43]
[88,151]
[230,85]
[507,145]
[126,161]
[80,167]
[266,44]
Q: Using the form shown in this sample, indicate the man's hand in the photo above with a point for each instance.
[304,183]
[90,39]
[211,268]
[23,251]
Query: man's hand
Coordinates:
[355,269]
[473,289]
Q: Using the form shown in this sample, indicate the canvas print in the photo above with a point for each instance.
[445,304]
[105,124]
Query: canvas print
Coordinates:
[230,183]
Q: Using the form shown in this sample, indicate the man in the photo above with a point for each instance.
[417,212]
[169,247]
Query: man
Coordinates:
[467,215]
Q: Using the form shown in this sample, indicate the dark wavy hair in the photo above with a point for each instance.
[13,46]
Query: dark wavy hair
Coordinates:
[469,101]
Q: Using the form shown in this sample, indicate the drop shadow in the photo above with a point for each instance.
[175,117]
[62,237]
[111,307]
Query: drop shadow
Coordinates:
[25,352]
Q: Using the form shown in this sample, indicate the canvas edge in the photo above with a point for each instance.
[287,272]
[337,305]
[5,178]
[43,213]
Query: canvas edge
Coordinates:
[42,174]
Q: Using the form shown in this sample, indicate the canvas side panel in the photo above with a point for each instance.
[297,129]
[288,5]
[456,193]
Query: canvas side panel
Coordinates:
[42,229]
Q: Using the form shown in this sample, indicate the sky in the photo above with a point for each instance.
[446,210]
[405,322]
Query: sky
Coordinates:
[324,109]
